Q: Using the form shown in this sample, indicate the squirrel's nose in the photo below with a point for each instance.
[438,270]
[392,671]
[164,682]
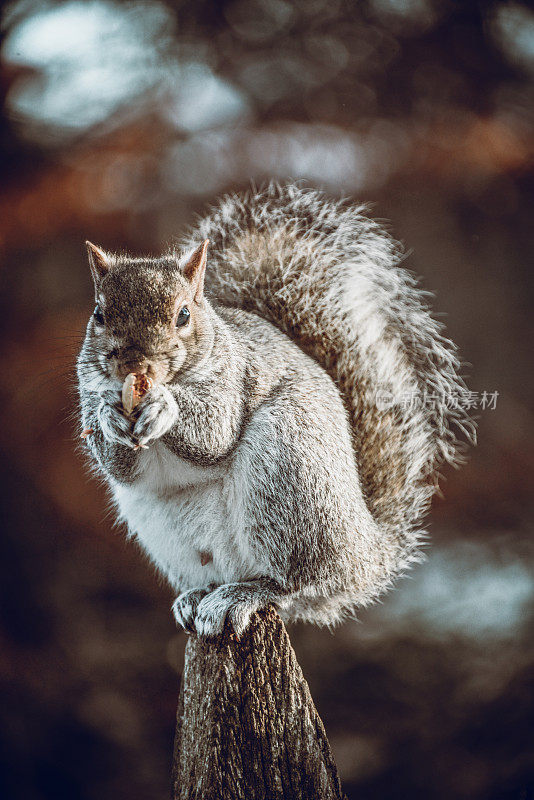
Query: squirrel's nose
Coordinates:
[136,364]
[140,366]
[132,362]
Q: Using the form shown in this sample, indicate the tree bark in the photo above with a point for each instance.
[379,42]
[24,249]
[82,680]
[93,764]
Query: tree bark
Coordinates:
[247,727]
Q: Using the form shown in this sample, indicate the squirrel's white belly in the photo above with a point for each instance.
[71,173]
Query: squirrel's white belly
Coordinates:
[188,519]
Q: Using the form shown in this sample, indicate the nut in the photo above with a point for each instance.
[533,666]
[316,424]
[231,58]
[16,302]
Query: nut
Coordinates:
[134,388]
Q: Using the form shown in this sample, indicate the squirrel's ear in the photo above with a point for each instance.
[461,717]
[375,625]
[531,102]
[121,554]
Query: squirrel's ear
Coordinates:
[195,269]
[99,261]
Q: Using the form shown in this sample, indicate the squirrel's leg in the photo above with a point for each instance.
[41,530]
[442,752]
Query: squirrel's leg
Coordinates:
[114,424]
[191,422]
[235,602]
[156,415]
[110,438]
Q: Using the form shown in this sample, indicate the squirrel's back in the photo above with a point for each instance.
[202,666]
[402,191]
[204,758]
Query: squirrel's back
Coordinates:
[330,278]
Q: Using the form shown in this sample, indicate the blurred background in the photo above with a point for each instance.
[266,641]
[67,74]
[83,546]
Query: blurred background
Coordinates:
[121,121]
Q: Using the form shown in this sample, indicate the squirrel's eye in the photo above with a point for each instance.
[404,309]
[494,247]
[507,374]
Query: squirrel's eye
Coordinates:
[98,316]
[183,317]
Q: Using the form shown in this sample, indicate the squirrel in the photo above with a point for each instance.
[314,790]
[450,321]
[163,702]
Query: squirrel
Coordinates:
[274,459]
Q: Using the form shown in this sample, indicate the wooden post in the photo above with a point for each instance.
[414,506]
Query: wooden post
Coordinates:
[247,728]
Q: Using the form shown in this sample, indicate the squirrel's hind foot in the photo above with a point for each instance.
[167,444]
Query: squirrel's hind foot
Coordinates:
[185,606]
[206,611]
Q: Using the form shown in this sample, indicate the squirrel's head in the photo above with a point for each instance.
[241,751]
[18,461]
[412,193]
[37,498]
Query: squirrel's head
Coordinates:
[151,316]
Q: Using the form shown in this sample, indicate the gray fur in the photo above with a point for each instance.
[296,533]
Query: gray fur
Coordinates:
[272,473]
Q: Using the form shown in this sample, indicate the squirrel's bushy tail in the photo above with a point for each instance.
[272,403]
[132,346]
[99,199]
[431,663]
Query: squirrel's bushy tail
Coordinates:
[331,279]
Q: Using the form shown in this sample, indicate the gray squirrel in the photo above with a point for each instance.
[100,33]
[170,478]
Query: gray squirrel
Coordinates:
[276,459]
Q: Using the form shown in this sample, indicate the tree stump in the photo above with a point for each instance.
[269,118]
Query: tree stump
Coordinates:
[246,726]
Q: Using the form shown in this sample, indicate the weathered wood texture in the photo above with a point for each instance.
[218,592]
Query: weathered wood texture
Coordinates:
[246,725]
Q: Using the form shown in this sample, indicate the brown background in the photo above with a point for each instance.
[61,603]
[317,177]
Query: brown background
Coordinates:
[121,121]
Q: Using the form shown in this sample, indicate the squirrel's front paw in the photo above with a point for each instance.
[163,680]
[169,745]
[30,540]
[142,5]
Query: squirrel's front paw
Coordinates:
[115,426]
[158,412]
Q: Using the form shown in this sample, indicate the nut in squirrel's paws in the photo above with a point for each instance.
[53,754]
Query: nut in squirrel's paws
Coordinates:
[134,388]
